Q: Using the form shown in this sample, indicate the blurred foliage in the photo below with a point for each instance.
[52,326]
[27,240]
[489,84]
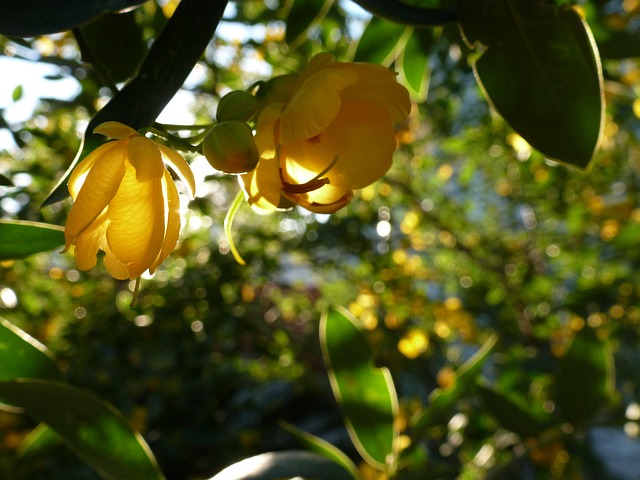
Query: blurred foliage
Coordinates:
[499,288]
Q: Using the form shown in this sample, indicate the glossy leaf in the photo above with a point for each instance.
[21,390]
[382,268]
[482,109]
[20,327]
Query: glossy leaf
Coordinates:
[37,17]
[442,400]
[287,464]
[511,414]
[323,447]
[415,63]
[95,430]
[19,239]
[541,70]
[585,376]
[302,15]
[365,393]
[381,42]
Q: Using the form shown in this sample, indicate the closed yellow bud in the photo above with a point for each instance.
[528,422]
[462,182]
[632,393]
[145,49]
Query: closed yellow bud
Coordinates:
[229,147]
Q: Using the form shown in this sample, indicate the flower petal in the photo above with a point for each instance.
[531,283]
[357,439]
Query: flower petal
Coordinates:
[80,172]
[179,165]
[136,232]
[361,137]
[378,84]
[100,186]
[314,105]
[115,130]
[172,221]
[89,242]
[116,268]
[145,157]
[266,130]
[262,186]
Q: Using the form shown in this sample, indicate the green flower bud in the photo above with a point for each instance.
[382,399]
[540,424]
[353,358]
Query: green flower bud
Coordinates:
[237,105]
[229,147]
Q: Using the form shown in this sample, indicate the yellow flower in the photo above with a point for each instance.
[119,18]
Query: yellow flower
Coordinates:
[126,203]
[324,133]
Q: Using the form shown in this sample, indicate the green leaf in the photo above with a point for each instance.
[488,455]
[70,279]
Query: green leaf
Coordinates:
[585,376]
[22,356]
[279,465]
[381,42]
[323,447]
[541,71]
[116,56]
[441,401]
[510,413]
[17,93]
[37,17]
[94,429]
[415,63]
[19,239]
[365,393]
[40,441]
[303,15]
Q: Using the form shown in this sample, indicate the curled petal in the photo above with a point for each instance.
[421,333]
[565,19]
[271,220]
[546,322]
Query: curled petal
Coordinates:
[179,165]
[145,157]
[115,130]
[267,130]
[115,267]
[262,186]
[91,240]
[172,220]
[100,187]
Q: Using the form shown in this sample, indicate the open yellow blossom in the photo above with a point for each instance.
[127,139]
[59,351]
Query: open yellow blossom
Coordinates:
[126,203]
[323,133]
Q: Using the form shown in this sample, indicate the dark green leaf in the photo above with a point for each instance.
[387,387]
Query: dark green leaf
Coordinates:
[5,181]
[304,14]
[365,393]
[40,441]
[511,414]
[322,447]
[116,56]
[415,63]
[19,239]
[280,465]
[95,430]
[441,400]
[39,17]
[381,42]
[585,376]
[541,71]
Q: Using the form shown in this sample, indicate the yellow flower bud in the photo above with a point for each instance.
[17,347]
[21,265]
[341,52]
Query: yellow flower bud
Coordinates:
[229,147]
[324,133]
[126,203]
[237,105]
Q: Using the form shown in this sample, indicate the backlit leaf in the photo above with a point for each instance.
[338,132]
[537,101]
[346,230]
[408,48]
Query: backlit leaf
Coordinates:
[540,69]
[19,239]
[304,14]
[365,393]
[381,42]
[95,430]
